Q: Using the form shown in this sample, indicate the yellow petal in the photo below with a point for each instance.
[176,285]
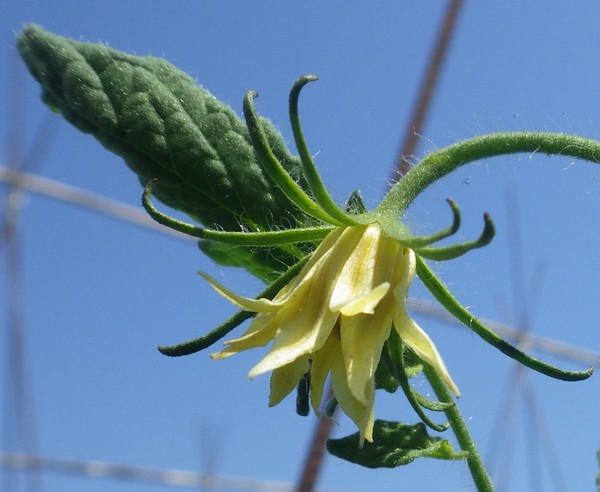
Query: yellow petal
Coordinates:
[329,360]
[407,273]
[261,331]
[319,370]
[362,338]
[362,414]
[304,327]
[356,265]
[305,322]
[282,314]
[365,303]
[312,267]
[421,344]
[286,378]
[247,304]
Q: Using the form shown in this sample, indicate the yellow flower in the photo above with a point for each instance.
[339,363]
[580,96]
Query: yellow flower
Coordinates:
[333,318]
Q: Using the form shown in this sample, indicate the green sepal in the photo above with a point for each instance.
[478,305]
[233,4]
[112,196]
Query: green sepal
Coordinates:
[394,444]
[202,342]
[165,126]
[446,299]
[433,405]
[445,253]
[418,402]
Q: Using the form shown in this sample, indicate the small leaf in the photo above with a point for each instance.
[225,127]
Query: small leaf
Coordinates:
[394,444]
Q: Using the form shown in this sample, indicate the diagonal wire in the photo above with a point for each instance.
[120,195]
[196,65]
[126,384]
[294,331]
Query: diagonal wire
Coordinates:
[423,104]
[539,425]
[519,386]
[314,460]
[141,475]
[500,460]
[133,215]
[316,451]
[77,196]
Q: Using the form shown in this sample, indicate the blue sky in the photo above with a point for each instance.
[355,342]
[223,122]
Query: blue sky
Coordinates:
[100,295]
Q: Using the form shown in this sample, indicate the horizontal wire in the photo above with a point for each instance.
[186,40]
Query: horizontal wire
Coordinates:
[133,215]
[77,196]
[152,476]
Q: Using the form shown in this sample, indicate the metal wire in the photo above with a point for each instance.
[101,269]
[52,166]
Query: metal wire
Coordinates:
[151,476]
[423,103]
[127,213]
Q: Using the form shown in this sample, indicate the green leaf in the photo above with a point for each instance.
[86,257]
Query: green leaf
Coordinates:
[165,126]
[394,444]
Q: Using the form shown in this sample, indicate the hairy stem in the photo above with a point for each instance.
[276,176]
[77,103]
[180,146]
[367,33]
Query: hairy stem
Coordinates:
[478,471]
[438,164]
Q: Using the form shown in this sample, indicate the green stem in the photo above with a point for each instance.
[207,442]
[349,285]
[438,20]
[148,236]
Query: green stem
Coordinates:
[478,472]
[438,164]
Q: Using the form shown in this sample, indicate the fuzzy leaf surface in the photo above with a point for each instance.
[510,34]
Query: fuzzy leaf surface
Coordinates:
[394,444]
[165,126]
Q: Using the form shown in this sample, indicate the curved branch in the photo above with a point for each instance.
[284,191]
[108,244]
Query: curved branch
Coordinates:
[438,164]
